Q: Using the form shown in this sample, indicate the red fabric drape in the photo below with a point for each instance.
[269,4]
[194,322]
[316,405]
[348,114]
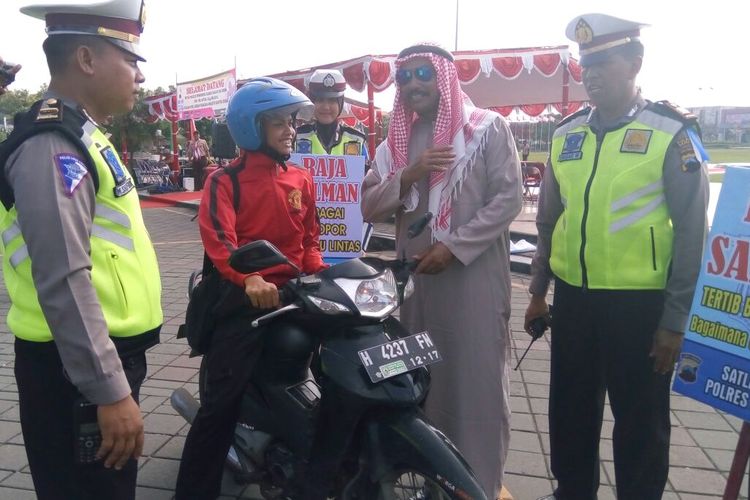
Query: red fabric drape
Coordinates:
[360,113]
[355,76]
[467,69]
[547,63]
[162,107]
[379,73]
[503,110]
[509,67]
[349,121]
[297,83]
[575,69]
[573,106]
[533,109]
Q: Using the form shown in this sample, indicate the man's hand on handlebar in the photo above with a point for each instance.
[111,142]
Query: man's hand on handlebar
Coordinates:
[262,294]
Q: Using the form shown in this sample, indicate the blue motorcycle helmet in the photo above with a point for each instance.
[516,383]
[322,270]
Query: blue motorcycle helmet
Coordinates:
[259,98]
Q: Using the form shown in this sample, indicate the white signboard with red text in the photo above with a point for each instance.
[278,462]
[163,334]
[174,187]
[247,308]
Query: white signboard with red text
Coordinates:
[338,185]
[207,97]
[714,366]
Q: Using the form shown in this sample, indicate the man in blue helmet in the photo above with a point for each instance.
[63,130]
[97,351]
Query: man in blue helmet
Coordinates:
[258,197]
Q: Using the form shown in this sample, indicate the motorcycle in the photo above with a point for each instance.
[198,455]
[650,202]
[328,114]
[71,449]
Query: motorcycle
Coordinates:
[354,430]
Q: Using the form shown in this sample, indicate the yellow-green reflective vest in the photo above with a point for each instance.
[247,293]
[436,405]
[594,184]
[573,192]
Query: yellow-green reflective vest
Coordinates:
[124,271]
[350,144]
[615,231]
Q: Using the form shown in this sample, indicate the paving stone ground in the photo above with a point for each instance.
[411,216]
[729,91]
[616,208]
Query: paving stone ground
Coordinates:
[703,439]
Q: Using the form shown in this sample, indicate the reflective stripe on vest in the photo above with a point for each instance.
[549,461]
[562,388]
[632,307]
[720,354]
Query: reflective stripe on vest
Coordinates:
[124,268]
[628,232]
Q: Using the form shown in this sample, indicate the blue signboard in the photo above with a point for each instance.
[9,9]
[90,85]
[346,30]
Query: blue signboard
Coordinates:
[714,366]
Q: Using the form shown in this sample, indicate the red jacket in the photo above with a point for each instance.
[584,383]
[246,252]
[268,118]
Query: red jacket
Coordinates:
[274,205]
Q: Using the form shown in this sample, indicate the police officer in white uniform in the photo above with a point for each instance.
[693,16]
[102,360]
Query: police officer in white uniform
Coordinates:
[78,263]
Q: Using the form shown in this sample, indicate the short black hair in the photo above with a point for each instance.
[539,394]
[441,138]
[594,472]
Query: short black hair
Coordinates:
[60,48]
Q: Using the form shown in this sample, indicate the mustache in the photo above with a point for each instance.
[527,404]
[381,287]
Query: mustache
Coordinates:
[414,92]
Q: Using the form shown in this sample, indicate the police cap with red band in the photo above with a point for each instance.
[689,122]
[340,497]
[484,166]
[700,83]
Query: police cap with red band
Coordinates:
[119,21]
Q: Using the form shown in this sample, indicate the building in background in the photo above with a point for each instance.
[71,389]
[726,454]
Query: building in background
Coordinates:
[729,124]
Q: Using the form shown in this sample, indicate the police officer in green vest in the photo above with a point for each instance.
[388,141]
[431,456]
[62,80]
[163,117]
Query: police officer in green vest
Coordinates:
[326,135]
[622,222]
[78,263]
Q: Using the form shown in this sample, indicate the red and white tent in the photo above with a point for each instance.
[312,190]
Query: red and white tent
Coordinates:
[161,107]
[528,79]
[501,78]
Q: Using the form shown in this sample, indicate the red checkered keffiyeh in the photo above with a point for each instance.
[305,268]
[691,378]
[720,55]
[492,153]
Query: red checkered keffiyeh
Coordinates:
[458,124]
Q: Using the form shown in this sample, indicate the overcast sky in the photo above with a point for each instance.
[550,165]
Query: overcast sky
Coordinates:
[696,54]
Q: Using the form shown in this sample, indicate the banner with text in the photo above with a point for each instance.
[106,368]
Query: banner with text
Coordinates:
[207,97]
[714,366]
[338,182]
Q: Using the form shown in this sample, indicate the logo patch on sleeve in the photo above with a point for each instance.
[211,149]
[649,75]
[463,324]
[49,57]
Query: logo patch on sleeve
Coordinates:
[72,170]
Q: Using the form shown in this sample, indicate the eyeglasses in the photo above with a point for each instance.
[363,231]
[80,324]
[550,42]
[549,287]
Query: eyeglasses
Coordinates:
[423,73]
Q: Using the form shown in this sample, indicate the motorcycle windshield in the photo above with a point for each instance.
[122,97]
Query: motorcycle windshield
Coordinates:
[354,269]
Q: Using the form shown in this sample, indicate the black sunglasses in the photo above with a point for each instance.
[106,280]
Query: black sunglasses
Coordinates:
[423,73]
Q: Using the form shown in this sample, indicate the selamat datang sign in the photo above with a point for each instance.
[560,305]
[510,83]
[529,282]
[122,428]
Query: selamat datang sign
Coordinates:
[207,97]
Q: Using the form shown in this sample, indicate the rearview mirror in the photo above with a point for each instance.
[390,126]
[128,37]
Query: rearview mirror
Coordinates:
[256,256]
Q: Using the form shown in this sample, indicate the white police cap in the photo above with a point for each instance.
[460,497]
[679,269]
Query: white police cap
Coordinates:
[326,83]
[119,21]
[598,34]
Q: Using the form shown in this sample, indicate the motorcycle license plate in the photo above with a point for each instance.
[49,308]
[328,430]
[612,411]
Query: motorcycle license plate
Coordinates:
[399,356]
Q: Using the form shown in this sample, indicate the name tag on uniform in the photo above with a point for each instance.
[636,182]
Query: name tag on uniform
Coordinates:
[572,149]
[123,183]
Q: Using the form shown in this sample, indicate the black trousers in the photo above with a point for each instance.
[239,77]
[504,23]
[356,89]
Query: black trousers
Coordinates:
[46,400]
[601,341]
[199,167]
[230,361]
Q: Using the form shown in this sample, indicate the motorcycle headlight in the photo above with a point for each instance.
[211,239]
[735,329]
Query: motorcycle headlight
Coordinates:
[409,288]
[376,297]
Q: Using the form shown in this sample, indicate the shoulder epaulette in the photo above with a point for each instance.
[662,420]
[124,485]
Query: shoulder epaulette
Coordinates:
[353,131]
[50,111]
[306,128]
[580,112]
[44,116]
[671,110]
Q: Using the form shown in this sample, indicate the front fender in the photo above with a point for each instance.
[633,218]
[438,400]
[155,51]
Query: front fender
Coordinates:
[407,441]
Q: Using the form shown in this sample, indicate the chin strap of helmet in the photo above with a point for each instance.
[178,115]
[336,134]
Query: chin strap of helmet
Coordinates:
[274,155]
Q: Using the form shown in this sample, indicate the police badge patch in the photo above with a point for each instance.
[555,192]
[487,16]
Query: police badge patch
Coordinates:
[352,148]
[636,141]
[304,146]
[123,183]
[73,171]
[572,147]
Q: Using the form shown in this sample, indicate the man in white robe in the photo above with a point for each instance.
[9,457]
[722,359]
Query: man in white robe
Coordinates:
[460,163]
